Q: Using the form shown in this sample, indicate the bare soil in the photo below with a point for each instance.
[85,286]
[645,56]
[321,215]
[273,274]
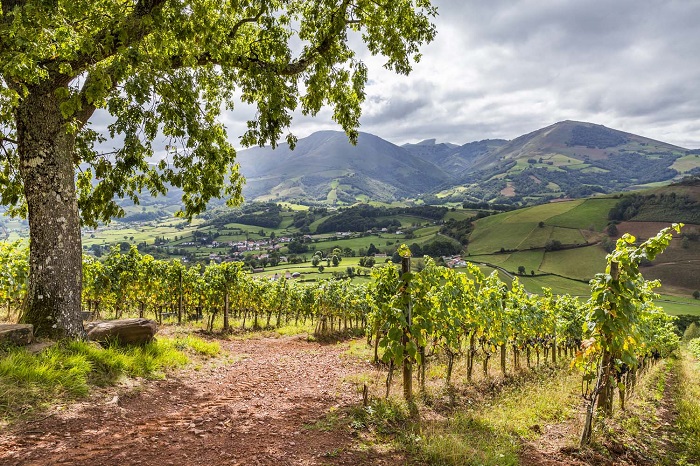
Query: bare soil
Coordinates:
[276,402]
[266,403]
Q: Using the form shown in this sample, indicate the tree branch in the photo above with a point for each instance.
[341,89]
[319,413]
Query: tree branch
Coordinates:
[246,62]
[292,68]
[134,30]
[237,26]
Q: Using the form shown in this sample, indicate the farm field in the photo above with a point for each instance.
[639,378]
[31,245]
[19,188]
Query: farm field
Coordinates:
[531,227]
[531,260]
[558,285]
[520,231]
[591,212]
[577,263]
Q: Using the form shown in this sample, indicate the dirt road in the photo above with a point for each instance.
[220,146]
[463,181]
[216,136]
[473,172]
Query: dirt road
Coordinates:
[265,402]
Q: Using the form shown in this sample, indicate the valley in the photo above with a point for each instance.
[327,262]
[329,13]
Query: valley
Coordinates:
[558,245]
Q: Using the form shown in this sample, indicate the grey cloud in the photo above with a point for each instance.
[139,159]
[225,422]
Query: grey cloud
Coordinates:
[502,68]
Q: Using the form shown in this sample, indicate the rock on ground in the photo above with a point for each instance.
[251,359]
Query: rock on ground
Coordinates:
[126,331]
[16,334]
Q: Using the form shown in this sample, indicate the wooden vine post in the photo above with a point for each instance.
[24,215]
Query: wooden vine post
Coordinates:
[407,366]
[179,297]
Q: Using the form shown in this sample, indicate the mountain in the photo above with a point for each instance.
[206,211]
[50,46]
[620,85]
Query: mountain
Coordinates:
[430,150]
[451,157]
[569,159]
[326,167]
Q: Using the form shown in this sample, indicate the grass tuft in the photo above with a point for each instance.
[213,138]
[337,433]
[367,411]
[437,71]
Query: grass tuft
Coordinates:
[67,370]
[381,416]
[197,345]
[491,432]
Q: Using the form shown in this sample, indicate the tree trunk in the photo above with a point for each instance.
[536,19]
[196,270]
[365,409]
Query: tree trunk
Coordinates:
[421,350]
[407,363]
[450,365]
[376,348]
[55,252]
[527,356]
[470,356]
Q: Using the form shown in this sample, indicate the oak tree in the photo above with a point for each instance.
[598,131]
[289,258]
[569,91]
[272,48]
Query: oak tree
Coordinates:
[164,69]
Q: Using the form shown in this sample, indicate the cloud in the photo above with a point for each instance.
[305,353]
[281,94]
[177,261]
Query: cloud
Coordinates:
[503,68]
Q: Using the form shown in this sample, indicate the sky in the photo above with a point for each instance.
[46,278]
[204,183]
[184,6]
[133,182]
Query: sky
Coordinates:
[503,68]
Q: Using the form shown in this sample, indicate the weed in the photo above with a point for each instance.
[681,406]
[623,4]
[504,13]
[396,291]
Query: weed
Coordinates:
[329,423]
[67,370]
[382,416]
[197,345]
[359,349]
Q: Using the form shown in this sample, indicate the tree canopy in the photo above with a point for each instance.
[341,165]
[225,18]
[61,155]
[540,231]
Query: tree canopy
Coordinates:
[169,67]
[165,68]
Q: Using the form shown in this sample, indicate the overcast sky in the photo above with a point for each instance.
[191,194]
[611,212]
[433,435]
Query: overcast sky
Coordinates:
[502,68]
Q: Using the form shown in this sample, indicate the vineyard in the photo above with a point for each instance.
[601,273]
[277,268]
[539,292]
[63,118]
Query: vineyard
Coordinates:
[408,316]
[426,323]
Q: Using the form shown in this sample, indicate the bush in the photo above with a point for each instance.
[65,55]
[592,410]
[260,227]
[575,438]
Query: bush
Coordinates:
[553,245]
[692,332]
[694,347]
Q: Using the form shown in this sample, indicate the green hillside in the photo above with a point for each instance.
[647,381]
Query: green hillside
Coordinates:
[559,244]
[570,159]
[563,244]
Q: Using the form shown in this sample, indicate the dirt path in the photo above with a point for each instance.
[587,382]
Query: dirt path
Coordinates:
[262,406]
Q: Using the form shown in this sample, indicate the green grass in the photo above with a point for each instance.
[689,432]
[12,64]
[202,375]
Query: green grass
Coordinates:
[519,229]
[460,214]
[491,433]
[686,400]
[686,163]
[295,207]
[567,235]
[677,305]
[496,259]
[558,285]
[195,345]
[356,243]
[491,238]
[359,349]
[426,231]
[531,260]
[68,369]
[537,238]
[541,212]
[381,417]
[661,422]
[579,263]
[589,212]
